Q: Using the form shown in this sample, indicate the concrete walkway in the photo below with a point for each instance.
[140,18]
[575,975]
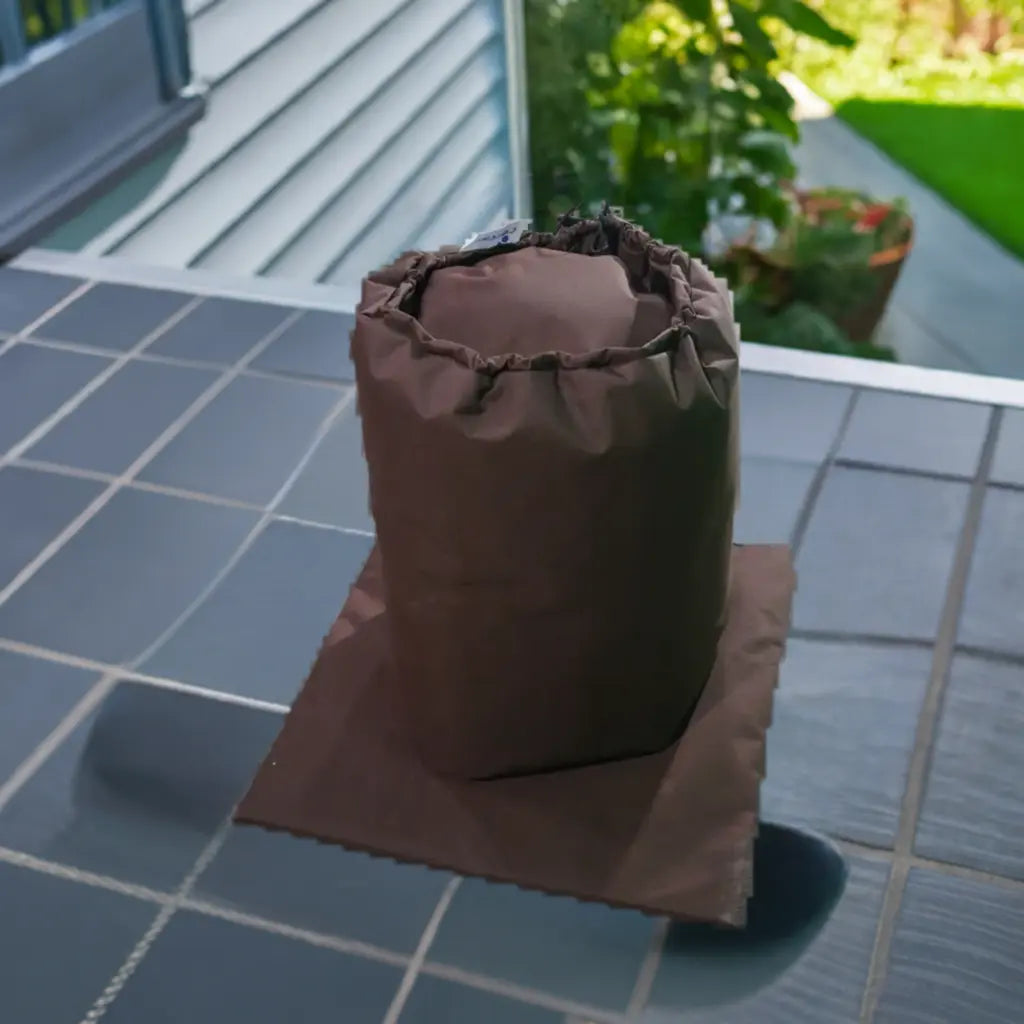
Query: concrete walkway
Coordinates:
[959,304]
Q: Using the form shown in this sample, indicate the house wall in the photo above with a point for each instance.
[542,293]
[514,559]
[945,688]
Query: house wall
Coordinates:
[337,133]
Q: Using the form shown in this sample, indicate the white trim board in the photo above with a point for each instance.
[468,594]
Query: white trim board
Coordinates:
[817,366]
[115,270]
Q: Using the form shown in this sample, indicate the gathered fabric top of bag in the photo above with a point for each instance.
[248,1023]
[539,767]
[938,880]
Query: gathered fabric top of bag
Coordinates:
[526,301]
[595,292]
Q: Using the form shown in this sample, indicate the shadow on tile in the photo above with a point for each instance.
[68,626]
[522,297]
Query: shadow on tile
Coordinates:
[585,952]
[139,788]
[799,878]
[170,753]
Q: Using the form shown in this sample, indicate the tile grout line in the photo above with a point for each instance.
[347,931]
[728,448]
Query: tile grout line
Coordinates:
[884,855]
[117,983]
[48,314]
[422,949]
[832,636]
[99,476]
[181,363]
[92,386]
[123,672]
[265,519]
[323,940]
[24,772]
[648,969]
[337,943]
[131,964]
[652,960]
[74,718]
[88,878]
[868,466]
[140,463]
[927,726]
[520,993]
[818,480]
[59,469]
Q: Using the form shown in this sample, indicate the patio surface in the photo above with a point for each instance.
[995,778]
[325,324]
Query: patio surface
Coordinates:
[182,507]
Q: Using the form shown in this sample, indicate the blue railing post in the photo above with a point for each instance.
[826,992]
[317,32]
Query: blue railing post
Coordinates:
[169,28]
[12,32]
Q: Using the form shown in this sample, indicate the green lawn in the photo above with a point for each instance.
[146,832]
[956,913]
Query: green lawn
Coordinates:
[973,155]
[956,123]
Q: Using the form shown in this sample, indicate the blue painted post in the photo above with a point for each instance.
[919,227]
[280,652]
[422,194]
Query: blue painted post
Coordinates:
[169,30]
[12,32]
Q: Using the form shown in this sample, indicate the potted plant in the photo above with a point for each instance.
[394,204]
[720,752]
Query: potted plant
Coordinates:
[840,255]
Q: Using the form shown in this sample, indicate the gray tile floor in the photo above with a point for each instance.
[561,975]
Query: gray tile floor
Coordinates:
[183,505]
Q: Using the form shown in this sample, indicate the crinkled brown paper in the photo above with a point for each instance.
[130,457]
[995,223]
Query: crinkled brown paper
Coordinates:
[669,833]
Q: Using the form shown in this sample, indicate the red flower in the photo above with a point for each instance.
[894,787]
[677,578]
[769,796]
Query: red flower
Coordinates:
[873,217]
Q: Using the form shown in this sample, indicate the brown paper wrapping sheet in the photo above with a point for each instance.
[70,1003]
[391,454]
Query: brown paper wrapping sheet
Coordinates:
[668,833]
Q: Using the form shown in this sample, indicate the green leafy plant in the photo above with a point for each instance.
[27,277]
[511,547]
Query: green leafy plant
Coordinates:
[696,122]
[823,274]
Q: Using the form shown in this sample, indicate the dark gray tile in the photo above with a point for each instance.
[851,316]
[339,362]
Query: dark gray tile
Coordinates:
[958,954]
[323,888]
[116,423]
[60,944]
[933,435]
[878,552]
[814,973]
[220,330]
[435,1001]
[259,632]
[246,441]
[113,316]
[1008,464]
[333,488]
[841,737]
[786,418]
[993,613]
[35,382]
[34,696]
[34,508]
[316,345]
[973,811]
[125,577]
[138,790]
[580,951]
[206,971]
[772,493]
[25,295]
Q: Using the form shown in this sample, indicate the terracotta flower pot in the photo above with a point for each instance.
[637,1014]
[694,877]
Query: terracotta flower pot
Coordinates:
[778,275]
[860,323]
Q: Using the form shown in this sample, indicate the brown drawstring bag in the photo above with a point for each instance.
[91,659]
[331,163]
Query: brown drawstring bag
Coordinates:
[550,430]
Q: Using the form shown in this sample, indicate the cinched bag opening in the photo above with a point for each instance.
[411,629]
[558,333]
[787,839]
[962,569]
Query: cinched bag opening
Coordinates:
[629,297]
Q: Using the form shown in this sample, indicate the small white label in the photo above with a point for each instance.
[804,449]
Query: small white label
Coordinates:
[507,234]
